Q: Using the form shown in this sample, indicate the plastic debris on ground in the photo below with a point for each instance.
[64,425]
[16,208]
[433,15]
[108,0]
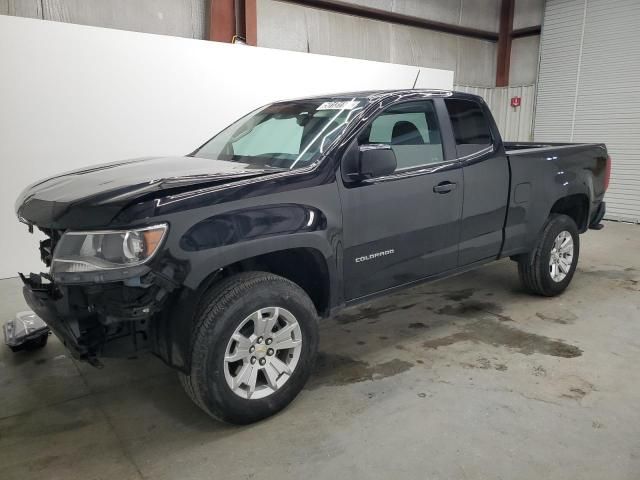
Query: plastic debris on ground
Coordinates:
[26,331]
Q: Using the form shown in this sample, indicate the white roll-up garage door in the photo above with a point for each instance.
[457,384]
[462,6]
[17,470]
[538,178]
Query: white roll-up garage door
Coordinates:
[589,88]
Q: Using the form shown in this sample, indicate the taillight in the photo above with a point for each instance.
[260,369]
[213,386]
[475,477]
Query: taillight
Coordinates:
[607,173]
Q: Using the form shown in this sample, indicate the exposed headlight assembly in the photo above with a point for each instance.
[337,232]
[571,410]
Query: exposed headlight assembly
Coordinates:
[79,252]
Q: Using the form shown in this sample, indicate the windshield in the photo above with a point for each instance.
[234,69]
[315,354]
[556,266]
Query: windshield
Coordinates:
[284,135]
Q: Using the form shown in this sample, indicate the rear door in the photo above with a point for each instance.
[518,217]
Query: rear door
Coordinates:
[405,226]
[486,179]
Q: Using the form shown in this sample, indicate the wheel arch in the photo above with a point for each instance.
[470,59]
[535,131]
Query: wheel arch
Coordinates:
[575,206]
[305,265]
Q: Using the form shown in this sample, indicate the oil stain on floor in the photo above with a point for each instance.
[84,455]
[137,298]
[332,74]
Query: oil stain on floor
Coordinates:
[331,369]
[367,313]
[372,313]
[563,317]
[458,295]
[486,364]
[497,334]
[484,323]
[473,308]
[627,278]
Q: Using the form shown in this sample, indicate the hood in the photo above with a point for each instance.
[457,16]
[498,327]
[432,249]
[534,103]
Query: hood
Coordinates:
[98,193]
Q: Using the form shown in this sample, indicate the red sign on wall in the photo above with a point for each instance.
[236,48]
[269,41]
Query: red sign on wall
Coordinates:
[515,101]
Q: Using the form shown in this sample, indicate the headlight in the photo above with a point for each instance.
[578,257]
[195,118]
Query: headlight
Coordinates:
[78,252]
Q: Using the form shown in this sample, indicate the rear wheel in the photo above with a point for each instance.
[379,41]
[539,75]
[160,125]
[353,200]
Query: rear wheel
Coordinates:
[254,347]
[549,268]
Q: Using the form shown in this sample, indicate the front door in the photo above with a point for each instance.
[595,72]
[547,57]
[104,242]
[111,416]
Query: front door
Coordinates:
[403,227]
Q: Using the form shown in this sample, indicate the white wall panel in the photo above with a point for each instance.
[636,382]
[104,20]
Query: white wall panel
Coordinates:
[514,123]
[380,4]
[476,62]
[345,36]
[73,96]
[183,18]
[415,46]
[484,15]
[524,60]
[319,31]
[21,8]
[528,13]
[588,88]
[560,51]
[270,32]
[445,11]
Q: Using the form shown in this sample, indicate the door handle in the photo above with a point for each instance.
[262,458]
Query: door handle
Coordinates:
[445,187]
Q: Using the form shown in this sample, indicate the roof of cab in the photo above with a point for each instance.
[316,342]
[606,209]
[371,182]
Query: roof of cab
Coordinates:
[378,94]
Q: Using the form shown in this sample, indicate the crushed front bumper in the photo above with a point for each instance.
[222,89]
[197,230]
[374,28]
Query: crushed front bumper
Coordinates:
[107,320]
[52,307]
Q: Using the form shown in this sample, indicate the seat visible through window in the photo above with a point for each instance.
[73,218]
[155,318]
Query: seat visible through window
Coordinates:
[406,133]
[412,131]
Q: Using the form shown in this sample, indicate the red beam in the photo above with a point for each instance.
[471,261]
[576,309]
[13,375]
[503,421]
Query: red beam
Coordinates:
[222,26]
[251,22]
[504,43]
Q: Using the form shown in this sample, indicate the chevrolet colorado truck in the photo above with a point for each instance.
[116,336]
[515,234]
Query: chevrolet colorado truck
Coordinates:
[222,262]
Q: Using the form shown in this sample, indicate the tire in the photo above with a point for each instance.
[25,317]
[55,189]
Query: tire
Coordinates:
[233,304]
[534,268]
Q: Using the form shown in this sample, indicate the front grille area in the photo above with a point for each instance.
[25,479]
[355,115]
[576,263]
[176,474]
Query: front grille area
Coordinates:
[110,319]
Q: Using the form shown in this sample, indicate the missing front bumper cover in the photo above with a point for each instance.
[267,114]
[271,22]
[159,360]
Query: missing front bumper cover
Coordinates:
[110,320]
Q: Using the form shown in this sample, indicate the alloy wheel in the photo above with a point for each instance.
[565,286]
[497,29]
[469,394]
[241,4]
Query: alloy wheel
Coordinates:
[561,256]
[262,353]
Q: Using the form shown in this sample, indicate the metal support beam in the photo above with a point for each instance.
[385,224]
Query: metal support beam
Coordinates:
[239,19]
[233,19]
[504,43]
[526,32]
[251,22]
[338,6]
[222,16]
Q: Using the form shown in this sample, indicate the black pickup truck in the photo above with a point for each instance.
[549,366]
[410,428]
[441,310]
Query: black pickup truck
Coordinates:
[222,261]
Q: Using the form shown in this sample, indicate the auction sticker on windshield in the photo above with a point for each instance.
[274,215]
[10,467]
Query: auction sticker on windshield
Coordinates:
[346,105]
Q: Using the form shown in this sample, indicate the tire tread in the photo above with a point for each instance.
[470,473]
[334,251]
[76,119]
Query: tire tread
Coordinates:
[214,302]
[531,267]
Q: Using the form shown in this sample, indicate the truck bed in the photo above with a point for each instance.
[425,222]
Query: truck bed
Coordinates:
[543,172]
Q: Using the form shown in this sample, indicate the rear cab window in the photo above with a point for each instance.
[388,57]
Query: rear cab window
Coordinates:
[470,127]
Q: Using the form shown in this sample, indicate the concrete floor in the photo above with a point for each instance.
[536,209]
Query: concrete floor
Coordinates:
[465,378]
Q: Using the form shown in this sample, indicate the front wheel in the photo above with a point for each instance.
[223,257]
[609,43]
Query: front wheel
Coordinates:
[549,268]
[254,346]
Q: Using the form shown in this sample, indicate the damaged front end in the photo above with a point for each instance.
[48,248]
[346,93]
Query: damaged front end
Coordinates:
[100,296]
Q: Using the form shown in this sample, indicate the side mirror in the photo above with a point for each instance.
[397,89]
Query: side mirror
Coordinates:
[369,161]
